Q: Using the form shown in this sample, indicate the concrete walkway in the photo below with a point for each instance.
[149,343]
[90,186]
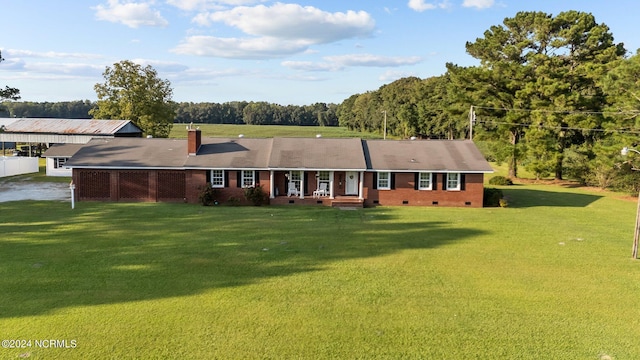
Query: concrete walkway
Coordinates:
[29,190]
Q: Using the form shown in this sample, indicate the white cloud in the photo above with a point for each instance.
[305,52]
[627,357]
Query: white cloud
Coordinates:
[312,66]
[295,22]
[422,5]
[190,4]
[161,66]
[49,54]
[68,69]
[12,64]
[234,48]
[56,70]
[56,64]
[204,76]
[480,4]
[201,5]
[130,13]
[339,62]
[373,60]
[391,75]
[275,31]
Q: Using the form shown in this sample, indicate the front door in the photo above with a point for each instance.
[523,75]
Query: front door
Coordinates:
[351,183]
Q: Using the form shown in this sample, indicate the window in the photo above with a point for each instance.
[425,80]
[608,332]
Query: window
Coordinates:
[424,181]
[248,178]
[384,180]
[453,181]
[217,178]
[323,177]
[296,178]
[59,162]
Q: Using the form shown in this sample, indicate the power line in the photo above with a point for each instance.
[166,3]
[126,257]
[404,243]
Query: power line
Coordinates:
[628,112]
[491,122]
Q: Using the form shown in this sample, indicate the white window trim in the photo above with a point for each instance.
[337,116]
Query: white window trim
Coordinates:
[322,179]
[453,188]
[297,181]
[222,178]
[430,187]
[388,180]
[247,177]
[58,162]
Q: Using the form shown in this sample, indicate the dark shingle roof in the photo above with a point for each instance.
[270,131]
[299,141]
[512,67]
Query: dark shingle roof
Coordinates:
[317,153]
[131,153]
[426,155]
[62,150]
[240,153]
[284,154]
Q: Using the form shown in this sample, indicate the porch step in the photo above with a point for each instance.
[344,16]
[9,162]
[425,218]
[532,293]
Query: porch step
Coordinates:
[347,202]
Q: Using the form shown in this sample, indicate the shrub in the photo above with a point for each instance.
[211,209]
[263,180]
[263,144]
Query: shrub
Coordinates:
[500,180]
[493,198]
[208,196]
[577,166]
[256,195]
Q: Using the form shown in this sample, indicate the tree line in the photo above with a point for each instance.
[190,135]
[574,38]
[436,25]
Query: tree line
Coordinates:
[257,113]
[235,112]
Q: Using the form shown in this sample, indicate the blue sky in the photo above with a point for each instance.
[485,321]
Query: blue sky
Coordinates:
[296,52]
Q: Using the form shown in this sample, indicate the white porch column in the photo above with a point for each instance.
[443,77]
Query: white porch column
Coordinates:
[361,186]
[272,186]
[303,180]
[331,176]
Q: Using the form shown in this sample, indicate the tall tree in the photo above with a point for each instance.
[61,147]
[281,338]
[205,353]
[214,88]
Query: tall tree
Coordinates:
[549,65]
[622,85]
[8,93]
[498,89]
[441,114]
[132,92]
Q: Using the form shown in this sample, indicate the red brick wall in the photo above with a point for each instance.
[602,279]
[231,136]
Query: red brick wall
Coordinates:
[115,185]
[92,184]
[136,185]
[130,185]
[405,193]
[199,178]
[194,180]
[171,185]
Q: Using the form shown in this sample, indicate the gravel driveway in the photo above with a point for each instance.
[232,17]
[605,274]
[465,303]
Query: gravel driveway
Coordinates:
[29,190]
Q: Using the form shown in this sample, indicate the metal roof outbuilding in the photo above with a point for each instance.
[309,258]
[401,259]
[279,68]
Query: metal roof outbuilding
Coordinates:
[66,131]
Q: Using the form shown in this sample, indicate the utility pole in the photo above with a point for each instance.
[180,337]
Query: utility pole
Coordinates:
[384,134]
[636,232]
[472,120]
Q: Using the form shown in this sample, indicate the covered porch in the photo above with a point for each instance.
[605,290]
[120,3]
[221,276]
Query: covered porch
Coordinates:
[316,187]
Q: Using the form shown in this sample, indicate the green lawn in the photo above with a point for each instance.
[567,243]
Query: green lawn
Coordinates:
[266,131]
[549,277]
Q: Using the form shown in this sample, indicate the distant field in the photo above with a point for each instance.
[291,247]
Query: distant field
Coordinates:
[266,131]
[549,277]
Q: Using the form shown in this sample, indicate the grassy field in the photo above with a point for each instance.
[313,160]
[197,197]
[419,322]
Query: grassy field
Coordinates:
[549,277]
[265,131]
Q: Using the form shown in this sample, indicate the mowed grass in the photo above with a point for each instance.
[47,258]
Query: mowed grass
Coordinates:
[550,277]
[268,131]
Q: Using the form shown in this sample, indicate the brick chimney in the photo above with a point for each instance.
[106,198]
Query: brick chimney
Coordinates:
[194,139]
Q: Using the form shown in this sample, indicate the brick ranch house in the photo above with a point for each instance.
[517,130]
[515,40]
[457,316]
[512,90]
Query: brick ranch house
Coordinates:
[323,171]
